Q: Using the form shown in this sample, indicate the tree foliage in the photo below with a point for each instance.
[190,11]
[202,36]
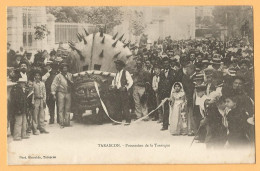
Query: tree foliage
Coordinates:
[137,24]
[104,15]
[41,32]
[237,19]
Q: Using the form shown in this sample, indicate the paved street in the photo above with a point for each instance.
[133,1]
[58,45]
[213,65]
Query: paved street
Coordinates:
[91,144]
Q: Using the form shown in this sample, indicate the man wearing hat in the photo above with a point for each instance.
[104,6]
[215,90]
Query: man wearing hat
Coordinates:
[49,98]
[121,84]
[189,86]
[62,86]
[21,72]
[166,81]
[18,101]
[216,63]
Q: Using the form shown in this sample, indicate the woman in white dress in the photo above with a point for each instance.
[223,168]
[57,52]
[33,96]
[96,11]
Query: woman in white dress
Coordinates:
[177,117]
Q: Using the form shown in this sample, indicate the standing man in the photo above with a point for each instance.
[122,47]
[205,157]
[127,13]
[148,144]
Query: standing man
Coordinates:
[142,79]
[10,56]
[121,84]
[189,86]
[18,100]
[167,79]
[39,102]
[49,98]
[62,85]
[21,72]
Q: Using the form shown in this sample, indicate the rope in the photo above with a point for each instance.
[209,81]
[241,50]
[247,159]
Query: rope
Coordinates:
[105,109]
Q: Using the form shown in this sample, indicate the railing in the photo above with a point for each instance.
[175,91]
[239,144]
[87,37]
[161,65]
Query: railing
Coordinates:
[65,32]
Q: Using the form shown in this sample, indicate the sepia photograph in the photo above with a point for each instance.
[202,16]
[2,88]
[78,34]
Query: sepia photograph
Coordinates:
[130,85]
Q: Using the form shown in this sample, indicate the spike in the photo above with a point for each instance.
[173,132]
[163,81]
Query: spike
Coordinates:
[116,55]
[79,37]
[128,56]
[126,44]
[133,48]
[72,47]
[123,41]
[120,38]
[86,32]
[72,43]
[85,41]
[114,37]
[114,44]
[101,33]
[101,54]
[103,40]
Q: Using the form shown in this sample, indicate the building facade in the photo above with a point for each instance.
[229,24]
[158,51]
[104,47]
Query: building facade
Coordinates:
[177,22]
[20,28]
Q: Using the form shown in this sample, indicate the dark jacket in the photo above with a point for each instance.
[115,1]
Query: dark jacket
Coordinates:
[165,84]
[18,100]
[237,126]
[188,86]
[11,58]
[216,131]
[49,81]
[17,75]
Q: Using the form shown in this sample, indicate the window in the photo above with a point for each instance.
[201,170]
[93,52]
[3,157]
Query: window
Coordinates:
[29,20]
[85,67]
[97,67]
[30,39]
[24,20]
[24,39]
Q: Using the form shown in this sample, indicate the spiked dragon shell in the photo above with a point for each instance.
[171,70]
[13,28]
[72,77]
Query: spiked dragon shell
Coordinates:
[98,51]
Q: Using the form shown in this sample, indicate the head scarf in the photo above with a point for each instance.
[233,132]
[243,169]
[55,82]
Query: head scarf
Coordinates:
[177,94]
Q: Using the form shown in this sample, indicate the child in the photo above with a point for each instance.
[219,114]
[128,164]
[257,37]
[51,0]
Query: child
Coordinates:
[216,136]
[237,122]
[177,117]
[18,96]
[199,111]
[39,103]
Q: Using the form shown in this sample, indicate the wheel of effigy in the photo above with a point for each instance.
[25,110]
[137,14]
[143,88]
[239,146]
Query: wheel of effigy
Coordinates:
[92,59]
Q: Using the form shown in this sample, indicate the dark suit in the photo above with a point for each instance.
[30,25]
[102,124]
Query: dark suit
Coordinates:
[11,58]
[19,110]
[164,90]
[189,87]
[216,135]
[49,97]
[17,75]
[237,126]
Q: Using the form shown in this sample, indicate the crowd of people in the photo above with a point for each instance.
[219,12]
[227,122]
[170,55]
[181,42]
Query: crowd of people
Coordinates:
[206,87]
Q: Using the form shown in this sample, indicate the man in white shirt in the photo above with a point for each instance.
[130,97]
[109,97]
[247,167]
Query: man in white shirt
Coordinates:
[121,84]
[21,72]
[155,82]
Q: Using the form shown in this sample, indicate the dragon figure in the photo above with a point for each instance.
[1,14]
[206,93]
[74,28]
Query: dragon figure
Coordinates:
[92,60]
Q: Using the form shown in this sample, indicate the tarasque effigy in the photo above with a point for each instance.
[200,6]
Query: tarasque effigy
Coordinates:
[92,60]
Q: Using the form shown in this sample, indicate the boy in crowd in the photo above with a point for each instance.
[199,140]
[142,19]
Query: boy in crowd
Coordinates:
[18,96]
[237,122]
[216,124]
[39,103]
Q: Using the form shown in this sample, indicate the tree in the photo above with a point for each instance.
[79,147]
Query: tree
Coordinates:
[68,14]
[104,15]
[137,24]
[41,32]
[233,18]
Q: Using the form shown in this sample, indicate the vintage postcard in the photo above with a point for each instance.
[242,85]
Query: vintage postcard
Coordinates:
[130,85]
